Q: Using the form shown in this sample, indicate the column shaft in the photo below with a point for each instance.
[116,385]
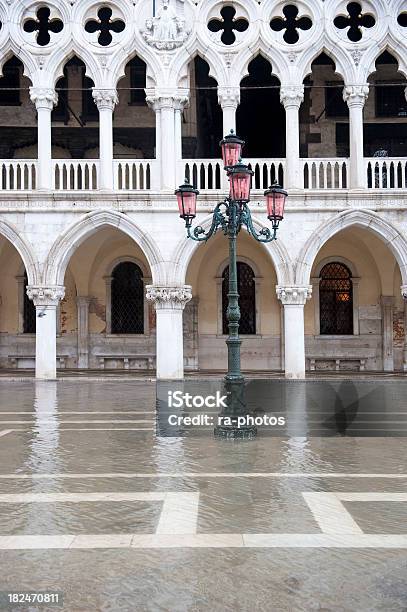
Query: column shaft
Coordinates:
[169,305]
[293,299]
[387,302]
[83,331]
[291,97]
[168,106]
[46,301]
[229,99]
[105,101]
[356,96]
[44,100]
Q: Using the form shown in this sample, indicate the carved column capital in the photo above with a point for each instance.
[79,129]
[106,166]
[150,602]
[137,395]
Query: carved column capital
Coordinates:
[229,97]
[355,95]
[46,295]
[43,97]
[293,295]
[105,98]
[169,298]
[291,95]
[404,291]
[174,99]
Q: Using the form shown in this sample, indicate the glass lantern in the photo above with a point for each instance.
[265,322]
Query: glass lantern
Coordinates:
[231,147]
[275,198]
[240,178]
[186,198]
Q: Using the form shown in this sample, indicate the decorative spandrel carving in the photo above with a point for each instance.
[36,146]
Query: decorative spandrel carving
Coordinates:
[167,30]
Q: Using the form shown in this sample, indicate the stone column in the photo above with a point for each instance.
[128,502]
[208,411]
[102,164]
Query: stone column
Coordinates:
[20,301]
[105,100]
[387,302]
[168,106]
[44,100]
[82,303]
[229,100]
[293,299]
[355,96]
[404,294]
[291,97]
[108,306]
[45,300]
[169,304]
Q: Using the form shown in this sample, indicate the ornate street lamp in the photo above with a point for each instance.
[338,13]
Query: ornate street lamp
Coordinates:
[229,216]
[231,147]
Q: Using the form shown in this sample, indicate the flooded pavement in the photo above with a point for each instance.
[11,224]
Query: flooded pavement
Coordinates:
[96,507]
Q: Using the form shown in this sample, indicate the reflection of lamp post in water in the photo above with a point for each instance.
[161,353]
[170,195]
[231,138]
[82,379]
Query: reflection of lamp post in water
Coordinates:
[229,216]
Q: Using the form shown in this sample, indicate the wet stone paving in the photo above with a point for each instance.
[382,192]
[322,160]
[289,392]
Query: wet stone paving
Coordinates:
[95,506]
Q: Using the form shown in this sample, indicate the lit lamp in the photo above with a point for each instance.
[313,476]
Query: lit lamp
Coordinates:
[231,147]
[240,178]
[186,198]
[275,199]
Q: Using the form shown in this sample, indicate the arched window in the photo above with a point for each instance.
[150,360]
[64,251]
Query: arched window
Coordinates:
[247,298]
[127,306]
[336,300]
[28,311]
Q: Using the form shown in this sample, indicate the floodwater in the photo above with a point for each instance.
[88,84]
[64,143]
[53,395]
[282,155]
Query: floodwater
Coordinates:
[85,462]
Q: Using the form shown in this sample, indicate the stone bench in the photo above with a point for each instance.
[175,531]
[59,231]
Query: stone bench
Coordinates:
[149,359]
[360,361]
[15,359]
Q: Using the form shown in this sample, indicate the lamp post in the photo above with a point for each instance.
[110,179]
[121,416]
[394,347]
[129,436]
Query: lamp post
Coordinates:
[229,216]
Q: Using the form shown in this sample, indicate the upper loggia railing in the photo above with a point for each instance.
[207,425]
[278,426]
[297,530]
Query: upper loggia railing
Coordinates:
[386,172]
[133,175]
[207,174]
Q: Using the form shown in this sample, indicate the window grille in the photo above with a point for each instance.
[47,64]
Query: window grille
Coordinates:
[336,300]
[127,299]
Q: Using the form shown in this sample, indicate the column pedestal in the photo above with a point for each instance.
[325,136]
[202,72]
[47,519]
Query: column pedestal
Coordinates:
[44,100]
[293,299]
[169,304]
[292,97]
[46,299]
[356,96]
[105,100]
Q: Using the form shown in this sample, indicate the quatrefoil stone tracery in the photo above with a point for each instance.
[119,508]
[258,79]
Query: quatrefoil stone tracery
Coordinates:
[105,25]
[228,24]
[43,25]
[354,21]
[291,23]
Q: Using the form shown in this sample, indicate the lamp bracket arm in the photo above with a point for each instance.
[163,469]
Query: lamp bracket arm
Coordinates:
[265,234]
[218,220]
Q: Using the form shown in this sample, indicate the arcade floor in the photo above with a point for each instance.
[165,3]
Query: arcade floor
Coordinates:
[98,509]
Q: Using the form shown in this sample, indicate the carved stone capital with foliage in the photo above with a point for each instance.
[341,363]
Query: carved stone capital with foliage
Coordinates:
[293,295]
[292,95]
[355,95]
[43,97]
[43,295]
[169,298]
[105,98]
